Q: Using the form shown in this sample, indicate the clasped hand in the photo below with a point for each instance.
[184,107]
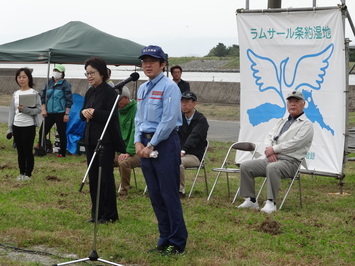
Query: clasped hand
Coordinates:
[88,113]
[142,151]
[270,154]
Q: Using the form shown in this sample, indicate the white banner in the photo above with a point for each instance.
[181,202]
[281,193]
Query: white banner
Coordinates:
[304,51]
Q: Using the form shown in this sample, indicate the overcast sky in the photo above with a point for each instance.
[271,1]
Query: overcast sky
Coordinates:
[181,28]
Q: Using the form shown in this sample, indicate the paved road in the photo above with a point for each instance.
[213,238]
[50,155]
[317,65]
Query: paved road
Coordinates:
[225,131]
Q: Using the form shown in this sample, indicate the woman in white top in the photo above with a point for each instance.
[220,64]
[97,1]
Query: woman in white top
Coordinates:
[23,120]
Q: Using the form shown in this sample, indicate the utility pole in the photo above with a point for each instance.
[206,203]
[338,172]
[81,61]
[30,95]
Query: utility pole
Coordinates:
[274,4]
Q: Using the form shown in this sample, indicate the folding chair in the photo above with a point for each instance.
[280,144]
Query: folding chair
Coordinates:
[242,146]
[297,176]
[201,166]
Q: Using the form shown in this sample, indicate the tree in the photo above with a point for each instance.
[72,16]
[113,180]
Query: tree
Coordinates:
[233,50]
[221,50]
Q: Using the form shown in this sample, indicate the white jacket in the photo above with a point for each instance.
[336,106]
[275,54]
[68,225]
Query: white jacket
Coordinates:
[295,142]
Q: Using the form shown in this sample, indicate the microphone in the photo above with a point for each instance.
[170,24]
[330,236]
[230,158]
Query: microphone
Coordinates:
[133,77]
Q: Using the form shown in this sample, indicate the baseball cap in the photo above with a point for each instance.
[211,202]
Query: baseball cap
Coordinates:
[125,92]
[59,67]
[154,51]
[295,94]
[189,95]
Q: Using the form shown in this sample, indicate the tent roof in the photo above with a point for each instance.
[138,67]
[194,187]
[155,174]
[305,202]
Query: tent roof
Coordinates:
[72,43]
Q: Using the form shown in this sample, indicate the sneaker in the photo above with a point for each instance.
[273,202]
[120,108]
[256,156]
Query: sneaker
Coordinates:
[25,177]
[19,178]
[158,249]
[171,250]
[269,207]
[249,204]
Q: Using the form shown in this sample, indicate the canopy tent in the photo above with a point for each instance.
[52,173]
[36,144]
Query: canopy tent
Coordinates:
[72,43]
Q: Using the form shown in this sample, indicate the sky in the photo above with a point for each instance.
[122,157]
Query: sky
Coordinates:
[181,28]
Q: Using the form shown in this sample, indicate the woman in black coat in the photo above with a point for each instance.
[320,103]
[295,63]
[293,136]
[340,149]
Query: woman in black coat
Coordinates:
[98,103]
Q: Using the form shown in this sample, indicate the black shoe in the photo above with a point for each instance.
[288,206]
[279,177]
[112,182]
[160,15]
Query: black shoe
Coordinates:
[182,195]
[158,249]
[172,250]
[106,221]
[103,221]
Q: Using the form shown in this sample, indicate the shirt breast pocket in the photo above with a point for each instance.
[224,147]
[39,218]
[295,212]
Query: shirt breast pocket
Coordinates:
[154,110]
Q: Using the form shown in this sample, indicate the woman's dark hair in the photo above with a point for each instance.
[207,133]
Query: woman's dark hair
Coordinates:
[28,74]
[99,64]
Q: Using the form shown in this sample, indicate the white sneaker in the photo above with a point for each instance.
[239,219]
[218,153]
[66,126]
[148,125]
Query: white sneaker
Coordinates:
[25,177]
[19,178]
[249,204]
[269,207]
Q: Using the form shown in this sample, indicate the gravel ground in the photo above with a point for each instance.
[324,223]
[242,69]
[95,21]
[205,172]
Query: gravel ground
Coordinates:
[37,254]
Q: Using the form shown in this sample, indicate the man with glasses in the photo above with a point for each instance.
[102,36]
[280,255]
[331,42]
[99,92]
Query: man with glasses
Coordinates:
[176,72]
[157,122]
[193,135]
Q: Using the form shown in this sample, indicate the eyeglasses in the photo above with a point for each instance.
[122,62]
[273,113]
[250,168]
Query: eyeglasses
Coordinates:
[90,73]
[149,61]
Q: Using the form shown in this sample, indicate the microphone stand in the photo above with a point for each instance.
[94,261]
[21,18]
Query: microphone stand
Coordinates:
[93,256]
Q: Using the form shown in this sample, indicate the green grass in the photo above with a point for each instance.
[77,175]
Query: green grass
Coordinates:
[233,62]
[48,211]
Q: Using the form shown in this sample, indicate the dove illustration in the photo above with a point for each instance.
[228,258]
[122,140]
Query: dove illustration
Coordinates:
[307,73]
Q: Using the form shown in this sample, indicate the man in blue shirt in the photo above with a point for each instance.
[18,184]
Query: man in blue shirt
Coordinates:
[157,120]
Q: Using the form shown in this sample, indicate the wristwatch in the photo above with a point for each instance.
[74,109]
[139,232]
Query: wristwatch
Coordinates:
[150,146]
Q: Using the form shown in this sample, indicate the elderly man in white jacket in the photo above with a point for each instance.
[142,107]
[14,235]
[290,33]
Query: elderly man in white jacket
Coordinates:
[286,145]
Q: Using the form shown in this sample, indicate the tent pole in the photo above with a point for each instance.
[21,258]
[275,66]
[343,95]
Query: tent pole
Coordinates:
[345,14]
[274,4]
[43,143]
[246,4]
[49,64]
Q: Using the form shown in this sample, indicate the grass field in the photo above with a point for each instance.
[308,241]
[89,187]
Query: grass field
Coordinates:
[48,214]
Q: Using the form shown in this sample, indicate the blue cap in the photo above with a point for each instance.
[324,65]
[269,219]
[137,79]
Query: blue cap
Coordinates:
[153,51]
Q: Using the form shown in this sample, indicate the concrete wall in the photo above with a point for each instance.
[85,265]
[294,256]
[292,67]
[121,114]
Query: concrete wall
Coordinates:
[207,92]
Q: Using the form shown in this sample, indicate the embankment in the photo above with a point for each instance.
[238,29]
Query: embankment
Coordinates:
[207,92]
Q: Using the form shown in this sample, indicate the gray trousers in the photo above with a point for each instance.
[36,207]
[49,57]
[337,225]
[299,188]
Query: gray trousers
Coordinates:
[283,168]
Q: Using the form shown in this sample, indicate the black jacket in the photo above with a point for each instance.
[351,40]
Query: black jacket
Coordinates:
[102,99]
[193,137]
[183,85]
